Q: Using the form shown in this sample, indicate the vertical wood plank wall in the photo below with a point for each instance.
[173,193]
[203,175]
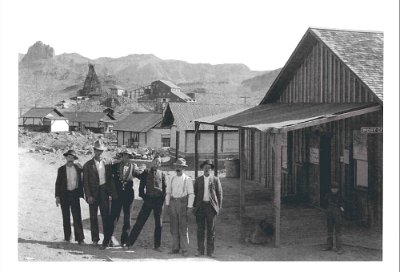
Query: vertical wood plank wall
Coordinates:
[323,78]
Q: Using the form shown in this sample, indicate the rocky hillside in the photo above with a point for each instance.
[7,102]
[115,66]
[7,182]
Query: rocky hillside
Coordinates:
[46,78]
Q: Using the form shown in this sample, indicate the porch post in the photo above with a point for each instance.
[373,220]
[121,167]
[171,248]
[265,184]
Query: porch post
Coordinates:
[215,150]
[242,155]
[277,188]
[196,148]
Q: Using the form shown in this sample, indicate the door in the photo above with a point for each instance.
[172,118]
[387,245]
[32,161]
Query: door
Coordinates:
[325,168]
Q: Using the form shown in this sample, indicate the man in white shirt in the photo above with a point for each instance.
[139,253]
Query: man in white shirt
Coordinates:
[179,199]
[68,191]
[207,205]
[99,188]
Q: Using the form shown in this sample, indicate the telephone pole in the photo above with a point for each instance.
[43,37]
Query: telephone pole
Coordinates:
[245,99]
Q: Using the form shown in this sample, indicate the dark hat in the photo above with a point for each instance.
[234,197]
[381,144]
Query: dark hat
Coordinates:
[209,162]
[71,152]
[126,151]
[99,145]
[181,162]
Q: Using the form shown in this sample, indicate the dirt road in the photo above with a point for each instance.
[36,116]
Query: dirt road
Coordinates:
[40,236]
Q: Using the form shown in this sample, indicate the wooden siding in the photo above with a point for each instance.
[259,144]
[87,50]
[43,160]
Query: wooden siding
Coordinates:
[324,78]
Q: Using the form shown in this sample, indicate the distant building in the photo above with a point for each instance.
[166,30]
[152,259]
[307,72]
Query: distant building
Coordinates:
[45,119]
[117,90]
[141,129]
[180,116]
[98,122]
[164,91]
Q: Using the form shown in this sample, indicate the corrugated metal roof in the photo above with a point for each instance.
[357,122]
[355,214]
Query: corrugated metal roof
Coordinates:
[42,112]
[185,113]
[181,95]
[139,122]
[276,116]
[362,51]
[169,84]
[81,116]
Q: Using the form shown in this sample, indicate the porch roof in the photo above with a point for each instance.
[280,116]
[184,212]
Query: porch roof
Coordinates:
[282,117]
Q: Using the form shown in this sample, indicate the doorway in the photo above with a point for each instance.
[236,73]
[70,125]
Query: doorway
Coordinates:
[325,168]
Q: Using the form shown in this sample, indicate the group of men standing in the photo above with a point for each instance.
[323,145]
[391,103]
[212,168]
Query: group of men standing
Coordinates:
[102,181]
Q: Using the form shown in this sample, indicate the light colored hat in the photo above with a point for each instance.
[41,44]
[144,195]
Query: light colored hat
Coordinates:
[99,145]
[126,151]
[181,162]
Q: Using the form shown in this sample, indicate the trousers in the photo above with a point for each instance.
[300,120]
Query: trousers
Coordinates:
[101,202]
[206,216]
[150,204]
[334,222]
[124,203]
[70,204]
[179,224]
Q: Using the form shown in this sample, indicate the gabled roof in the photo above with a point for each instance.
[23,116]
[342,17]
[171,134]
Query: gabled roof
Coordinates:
[360,51]
[185,113]
[42,112]
[181,95]
[81,116]
[169,84]
[139,122]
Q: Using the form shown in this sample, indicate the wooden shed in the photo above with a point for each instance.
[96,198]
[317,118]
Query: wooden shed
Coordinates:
[98,122]
[319,124]
[142,129]
[45,119]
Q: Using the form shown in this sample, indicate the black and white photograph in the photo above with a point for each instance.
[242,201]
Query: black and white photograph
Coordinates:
[165,135]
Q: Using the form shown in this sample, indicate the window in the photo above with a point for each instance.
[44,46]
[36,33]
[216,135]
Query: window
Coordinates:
[360,156]
[165,142]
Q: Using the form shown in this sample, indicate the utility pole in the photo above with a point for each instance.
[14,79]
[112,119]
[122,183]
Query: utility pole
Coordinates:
[245,99]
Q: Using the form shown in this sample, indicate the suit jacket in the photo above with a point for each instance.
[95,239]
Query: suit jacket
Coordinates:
[215,192]
[143,183]
[61,182]
[91,179]
[122,186]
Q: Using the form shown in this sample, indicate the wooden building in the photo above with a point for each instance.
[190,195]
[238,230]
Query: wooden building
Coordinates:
[180,117]
[164,91]
[142,129]
[45,119]
[319,124]
[98,122]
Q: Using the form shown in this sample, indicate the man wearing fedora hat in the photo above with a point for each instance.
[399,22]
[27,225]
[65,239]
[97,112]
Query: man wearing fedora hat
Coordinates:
[99,188]
[179,199]
[68,191]
[123,180]
[207,204]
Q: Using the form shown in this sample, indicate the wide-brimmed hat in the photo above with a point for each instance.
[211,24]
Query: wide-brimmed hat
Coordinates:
[209,162]
[181,162]
[71,152]
[99,145]
[126,151]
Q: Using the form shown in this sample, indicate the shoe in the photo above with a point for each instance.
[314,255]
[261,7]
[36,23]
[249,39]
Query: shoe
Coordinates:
[340,251]
[157,249]
[174,251]
[81,242]
[95,243]
[211,255]
[185,254]
[198,254]
[111,244]
[67,240]
[327,248]
[102,247]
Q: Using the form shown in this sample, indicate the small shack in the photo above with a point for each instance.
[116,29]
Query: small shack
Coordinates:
[45,119]
[142,129]
[98,122]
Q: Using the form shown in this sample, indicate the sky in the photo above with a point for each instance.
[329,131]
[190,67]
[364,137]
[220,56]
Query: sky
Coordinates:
[260,34]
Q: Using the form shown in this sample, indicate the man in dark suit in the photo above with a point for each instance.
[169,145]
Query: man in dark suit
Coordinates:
[207,205]
[152,190]
[99,189]
[68,191]
[123,180]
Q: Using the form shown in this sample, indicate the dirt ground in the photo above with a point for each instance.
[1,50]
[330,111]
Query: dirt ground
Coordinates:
[40,235]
